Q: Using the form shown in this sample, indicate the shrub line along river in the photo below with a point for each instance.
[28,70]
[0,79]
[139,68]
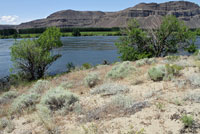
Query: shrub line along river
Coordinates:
[79,50]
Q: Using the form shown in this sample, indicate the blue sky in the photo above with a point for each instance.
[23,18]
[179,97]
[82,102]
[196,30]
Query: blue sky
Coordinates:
[18,11]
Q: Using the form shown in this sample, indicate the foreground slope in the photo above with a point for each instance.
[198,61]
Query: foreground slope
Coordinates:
[150,16]
[123,98]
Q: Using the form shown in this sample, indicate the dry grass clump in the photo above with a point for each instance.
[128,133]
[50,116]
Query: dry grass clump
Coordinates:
[121,70]
[8,96]
[25,102]
[91,80]
[59,100]
[110,89]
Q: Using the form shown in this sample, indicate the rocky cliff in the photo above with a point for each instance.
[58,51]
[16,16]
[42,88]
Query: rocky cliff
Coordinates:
[149,15]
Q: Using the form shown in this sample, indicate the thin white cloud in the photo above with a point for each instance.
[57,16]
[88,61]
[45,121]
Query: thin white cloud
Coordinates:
[11,19]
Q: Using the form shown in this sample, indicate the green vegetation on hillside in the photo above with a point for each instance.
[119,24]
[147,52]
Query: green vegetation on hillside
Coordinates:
[32,58]
[172,35]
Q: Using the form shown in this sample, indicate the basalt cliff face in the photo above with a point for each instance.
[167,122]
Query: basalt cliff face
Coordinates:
[149,15]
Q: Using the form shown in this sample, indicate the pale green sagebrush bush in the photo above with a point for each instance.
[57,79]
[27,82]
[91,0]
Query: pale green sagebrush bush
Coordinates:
[145,61]
[91,80]
[40,86]
[157,73]
[59,99]
[25,102]
[121,70]
[8,96]
[164,72]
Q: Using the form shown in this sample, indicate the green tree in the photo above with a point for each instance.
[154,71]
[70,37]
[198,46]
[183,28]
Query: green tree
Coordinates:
[76,32]
[33,57]
[169,37]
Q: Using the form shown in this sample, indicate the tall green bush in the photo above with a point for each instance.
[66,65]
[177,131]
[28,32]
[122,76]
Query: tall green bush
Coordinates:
[33,57]
[171,35]
[76,32]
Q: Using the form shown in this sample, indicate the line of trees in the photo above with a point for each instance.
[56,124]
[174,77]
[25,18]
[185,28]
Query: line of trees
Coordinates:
[8,32]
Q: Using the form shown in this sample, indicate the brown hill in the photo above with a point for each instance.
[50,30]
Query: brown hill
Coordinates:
[149,15]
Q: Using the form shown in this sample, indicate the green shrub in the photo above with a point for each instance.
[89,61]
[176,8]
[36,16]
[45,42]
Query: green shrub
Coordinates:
[192,48]
[34,57]
[121,70]
[3,123]
[59,100]
[25,102]
[110,89]
[7,125]
[197,54]
[76,32]
[70,67]
[91,80]
[164,72]
[151,61]
[187,120]
[172,70]
[157,73]
[167,38]
[86,66]
[141,62]
[8,96]
[40,86]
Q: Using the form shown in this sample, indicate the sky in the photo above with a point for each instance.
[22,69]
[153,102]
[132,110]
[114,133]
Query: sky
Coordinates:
[18,11]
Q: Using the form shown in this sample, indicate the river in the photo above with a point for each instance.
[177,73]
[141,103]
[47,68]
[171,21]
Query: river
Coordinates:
[79,50]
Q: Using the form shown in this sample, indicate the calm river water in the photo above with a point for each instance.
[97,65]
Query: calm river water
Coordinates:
[79,50]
